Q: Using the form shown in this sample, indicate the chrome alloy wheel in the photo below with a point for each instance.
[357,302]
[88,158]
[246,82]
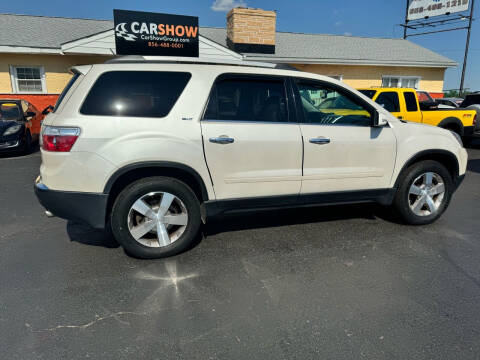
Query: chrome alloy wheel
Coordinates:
[426,194]
[157,219]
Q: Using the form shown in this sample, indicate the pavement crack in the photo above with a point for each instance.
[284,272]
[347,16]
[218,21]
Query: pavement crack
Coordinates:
[98,319]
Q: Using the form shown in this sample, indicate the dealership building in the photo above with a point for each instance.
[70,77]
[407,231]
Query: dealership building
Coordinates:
[36,53]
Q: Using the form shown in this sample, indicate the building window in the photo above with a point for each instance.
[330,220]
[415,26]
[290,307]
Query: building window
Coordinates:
[28,79]
[400,81]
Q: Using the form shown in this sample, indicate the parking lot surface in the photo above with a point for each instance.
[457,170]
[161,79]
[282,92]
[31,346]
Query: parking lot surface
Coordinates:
[343,282]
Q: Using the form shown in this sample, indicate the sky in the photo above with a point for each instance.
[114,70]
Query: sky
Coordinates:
[372,18]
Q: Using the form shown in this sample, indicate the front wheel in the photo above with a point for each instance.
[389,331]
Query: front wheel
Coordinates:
[424,194]
[156,217]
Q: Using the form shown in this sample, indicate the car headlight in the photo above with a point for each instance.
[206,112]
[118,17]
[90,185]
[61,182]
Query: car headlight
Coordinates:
[456,136]
[12,130]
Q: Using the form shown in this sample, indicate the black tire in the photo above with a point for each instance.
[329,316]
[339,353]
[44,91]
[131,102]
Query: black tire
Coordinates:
[401,201]
[27,148]
[134,191]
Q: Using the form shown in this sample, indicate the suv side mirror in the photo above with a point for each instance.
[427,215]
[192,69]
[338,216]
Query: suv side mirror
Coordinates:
[47,110]
[379,119]
[30,114]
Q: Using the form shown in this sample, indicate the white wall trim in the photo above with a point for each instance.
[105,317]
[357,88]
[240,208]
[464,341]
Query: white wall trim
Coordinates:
[28,50]
[288,60]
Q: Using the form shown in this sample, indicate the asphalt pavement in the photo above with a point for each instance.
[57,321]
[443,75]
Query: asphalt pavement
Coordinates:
[343,282]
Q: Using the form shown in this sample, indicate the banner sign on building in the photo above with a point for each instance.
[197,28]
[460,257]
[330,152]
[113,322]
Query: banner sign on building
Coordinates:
[419,9]
[144,33]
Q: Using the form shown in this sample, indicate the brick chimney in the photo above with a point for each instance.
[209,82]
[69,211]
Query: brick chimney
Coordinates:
[251,30]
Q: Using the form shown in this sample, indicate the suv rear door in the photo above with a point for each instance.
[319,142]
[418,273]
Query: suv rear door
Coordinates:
[342,150]
[253,146]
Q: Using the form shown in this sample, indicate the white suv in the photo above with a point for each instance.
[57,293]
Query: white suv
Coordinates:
[153,149]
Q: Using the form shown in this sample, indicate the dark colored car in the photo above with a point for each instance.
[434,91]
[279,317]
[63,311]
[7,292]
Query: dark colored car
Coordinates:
[472,102]
[453,102]
[20,125]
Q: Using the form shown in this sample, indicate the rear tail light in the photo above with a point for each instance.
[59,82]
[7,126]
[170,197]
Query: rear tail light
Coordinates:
[59,139]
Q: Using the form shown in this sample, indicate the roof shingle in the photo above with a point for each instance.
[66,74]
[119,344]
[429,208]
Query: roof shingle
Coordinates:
[52,32]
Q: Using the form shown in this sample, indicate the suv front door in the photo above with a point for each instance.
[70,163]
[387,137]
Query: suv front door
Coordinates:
[252,146]
[342,150]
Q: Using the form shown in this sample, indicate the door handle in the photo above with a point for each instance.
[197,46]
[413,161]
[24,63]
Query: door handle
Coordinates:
[223,139]
[320,141]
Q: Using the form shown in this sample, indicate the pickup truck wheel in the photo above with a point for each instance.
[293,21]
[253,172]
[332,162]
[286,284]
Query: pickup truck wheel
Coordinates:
[156,217]
[424,193]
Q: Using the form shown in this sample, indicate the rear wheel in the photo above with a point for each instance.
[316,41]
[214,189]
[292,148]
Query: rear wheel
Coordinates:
[156,217]
[424,194]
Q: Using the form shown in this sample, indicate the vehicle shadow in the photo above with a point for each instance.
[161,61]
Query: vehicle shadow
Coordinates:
[87,235]
[250,220]
[18,154]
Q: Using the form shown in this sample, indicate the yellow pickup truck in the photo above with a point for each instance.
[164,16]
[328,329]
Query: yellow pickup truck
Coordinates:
[403,103]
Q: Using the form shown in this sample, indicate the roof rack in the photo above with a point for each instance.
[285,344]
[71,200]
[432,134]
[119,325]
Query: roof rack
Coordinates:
[186,60]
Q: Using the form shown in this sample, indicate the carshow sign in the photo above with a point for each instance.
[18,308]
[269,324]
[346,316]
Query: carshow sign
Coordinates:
[420,9]
[144,33]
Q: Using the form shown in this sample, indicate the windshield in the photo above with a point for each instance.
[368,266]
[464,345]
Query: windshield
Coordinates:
[368,93]
[9,111]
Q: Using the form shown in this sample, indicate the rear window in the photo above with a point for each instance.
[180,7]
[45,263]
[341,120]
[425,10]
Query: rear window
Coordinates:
[65,90]
[135,93]
[368,93]
[424,97]
[410,101]
[389,101]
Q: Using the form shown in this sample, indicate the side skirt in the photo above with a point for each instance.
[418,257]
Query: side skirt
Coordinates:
[217,207]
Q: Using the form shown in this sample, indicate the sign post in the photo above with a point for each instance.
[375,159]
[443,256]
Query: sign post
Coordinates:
[144,33]
[446,13]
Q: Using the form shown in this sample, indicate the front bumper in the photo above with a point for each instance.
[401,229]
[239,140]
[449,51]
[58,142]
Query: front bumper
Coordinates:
[87,208]
[10,145]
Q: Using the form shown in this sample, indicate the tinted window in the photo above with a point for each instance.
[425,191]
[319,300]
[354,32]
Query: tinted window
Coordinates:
[248,99]
[327,106]
[135,93]
[10,111]
[368,93]
[65,90]
[424,97]
[410,101]
[389,100]
[471,100]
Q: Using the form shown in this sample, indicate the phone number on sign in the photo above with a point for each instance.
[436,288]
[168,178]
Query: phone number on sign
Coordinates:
[439,6]
[165,45]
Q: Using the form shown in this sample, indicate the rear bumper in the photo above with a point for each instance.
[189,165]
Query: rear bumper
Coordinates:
[87,208]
